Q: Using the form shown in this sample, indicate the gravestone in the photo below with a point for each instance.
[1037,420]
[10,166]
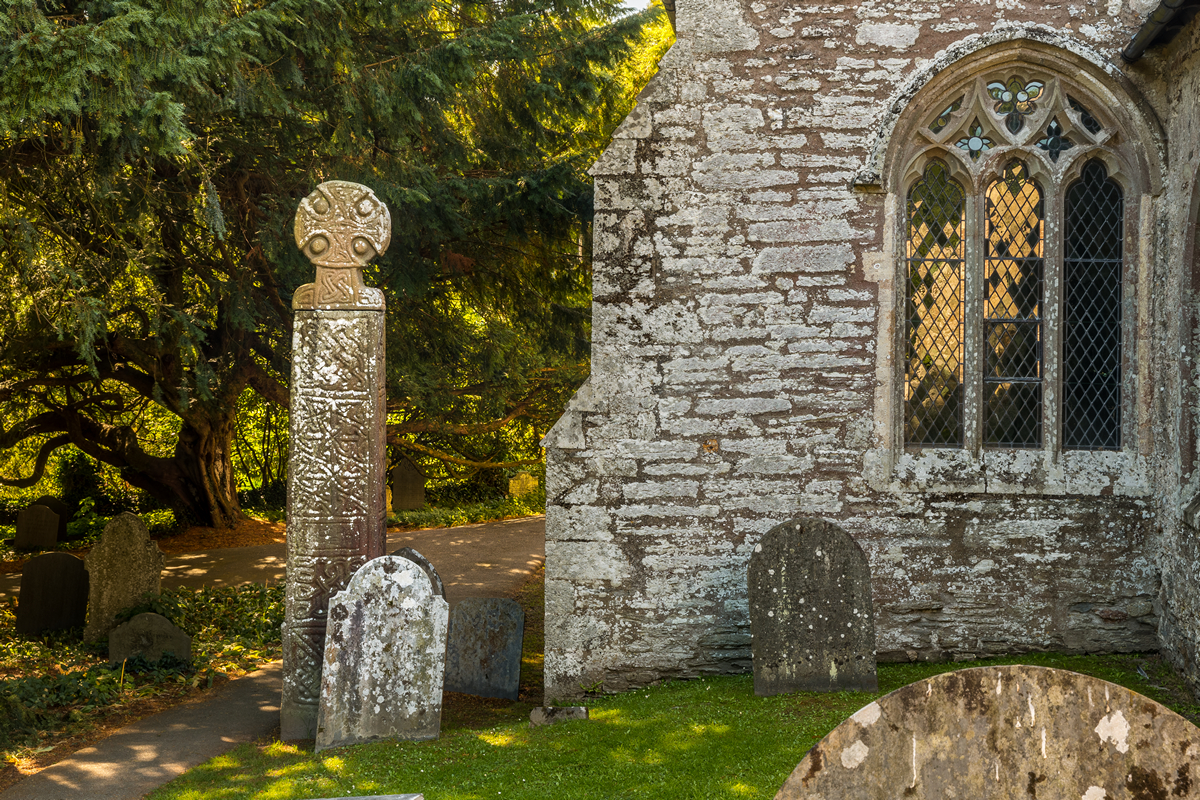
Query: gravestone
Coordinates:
[64,511]
[408,487]
[37,529]
[811,616]
[994,733]
[336,517]
[54,594]
[150,636]
[423,563]
[483,647]
[122,567]
[385,657]
[522,485]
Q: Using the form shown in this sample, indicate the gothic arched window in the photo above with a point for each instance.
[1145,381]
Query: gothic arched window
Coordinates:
[1015,263]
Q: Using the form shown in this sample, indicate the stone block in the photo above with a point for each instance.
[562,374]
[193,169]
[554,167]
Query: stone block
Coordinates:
[993,733]
[54,594]
[548,715]
[122,567]
[483,648]
[150,636]
[422,562]
[811,613]
[385,657]
[408,487]
[37,529]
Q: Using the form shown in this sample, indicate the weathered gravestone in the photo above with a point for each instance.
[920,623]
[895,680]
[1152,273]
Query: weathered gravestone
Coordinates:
[811,615]
[483,647]
[422,562]
[122,567]
[408,487]
[385,657]
[1005,732]
[54,594]
[37,529]
[150,636]
[336,517]
[64,511]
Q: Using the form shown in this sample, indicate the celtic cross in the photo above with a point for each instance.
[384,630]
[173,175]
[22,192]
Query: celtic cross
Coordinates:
[340,227]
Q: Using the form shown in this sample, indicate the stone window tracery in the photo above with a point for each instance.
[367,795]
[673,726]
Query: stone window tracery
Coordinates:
[1015,267]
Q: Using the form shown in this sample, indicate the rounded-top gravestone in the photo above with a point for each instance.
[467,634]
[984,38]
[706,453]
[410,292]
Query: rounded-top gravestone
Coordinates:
[421,561]
[150,636]
[37,529]
[123,566]
[811,617]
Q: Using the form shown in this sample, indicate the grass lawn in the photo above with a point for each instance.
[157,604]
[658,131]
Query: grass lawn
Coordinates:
[706,738]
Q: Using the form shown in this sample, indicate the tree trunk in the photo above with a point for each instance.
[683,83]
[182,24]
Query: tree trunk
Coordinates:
[198,482]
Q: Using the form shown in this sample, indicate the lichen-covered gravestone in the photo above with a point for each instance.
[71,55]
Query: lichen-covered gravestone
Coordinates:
[995,733]
[150,636]
[385,657]
[811,615]
[122,567]
[336,465]
[54,594]
[421,561]
[37,529]
[483,649]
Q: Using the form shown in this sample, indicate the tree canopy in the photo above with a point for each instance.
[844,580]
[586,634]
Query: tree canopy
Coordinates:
[151,160]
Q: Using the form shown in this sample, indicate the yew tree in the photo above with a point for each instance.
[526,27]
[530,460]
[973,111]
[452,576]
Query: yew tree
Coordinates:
[152,154]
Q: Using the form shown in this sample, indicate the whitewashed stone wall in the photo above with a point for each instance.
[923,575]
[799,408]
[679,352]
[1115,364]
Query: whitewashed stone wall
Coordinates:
[736,368]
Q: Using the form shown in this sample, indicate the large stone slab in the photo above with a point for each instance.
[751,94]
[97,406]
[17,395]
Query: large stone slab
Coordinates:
[385,657]
[811,615]
[54,594]
[483,648]
[412,555]
[336,464]
[37,528]
[1005,732]
[65,512]
[122,567]
[408,487]
[150,636]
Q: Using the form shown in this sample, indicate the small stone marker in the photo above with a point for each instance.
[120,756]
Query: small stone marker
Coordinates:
[422,562]
[123,566]
[522,485]
[548,715]
[385,657]
[993,733]
[811,616]
[150,636]
[37,529]
[64,511]
[54,594]
[483,650]
[408,487]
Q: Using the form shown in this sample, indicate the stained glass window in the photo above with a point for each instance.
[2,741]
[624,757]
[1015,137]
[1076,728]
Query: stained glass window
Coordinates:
[1093,260]
[1012,382]
[934,350]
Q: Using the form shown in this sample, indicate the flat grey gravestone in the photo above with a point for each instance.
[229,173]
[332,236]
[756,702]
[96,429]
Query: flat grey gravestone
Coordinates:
[423,563]
[483,651]
[385,657]
[54,594]
[37,529]
[150,636]
[122,567]
[999,733]
[811,617]
[64,511]
[408,487]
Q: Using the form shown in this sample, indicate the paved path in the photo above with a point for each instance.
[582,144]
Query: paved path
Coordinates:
[487,560]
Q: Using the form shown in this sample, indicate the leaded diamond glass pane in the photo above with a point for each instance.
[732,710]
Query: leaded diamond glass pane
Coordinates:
[934,311]
[1094,254]
[1012,381]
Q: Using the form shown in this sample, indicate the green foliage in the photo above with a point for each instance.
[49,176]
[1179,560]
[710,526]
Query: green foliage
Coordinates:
[250,614]
[453,516]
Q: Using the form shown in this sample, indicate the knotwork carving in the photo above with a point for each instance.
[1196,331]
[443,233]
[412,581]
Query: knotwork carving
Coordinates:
[340,227]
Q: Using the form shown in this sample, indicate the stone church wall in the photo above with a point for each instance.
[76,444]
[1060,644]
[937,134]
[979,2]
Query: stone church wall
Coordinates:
[736,374]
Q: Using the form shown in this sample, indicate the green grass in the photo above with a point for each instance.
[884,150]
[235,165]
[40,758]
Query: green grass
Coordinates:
[466,514]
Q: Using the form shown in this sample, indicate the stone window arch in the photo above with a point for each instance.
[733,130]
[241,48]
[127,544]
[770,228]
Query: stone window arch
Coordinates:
[1016,192]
